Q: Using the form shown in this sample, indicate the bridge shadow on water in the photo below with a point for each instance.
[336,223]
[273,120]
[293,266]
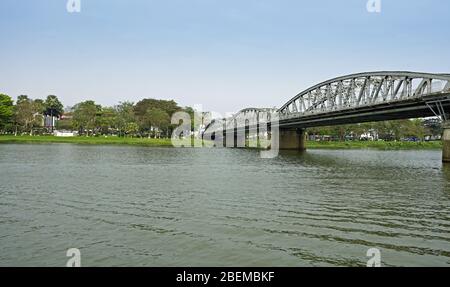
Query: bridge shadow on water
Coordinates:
[314,157]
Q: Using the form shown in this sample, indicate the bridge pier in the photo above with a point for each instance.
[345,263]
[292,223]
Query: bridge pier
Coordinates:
[446,142]
[293,139]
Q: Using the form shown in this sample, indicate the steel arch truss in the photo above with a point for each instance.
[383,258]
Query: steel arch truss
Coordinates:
[249,117]
[365,90]
[246,117]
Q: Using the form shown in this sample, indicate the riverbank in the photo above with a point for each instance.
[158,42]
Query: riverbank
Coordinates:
[87,140]
[167,142]
[381,145]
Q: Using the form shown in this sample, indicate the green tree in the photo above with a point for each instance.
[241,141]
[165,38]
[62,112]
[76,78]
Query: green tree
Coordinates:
[414,128]
[85,116]
[53,107]
[155,120]
[126,118]
[6,110]
[433,127]
[66,124]
[384,130]
[141,108]
[107,120]
[193,115]
[27,114]
[340,131]
[39,106]
[131,128]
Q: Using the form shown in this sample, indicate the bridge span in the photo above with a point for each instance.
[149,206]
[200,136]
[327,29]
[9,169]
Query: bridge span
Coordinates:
[356,98]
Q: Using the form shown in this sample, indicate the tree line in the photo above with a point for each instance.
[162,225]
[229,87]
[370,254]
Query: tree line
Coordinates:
[410,129]
[26,115]
[152,118]
[146,118]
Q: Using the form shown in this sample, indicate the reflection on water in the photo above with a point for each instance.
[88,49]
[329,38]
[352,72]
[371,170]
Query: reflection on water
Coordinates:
[139,206]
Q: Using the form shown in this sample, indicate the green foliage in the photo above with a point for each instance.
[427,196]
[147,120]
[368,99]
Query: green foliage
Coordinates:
[154,121]
[107,120]
[384,130]
[433,127]
[6,110]
[380,145]
[151,117]
[131,128]
[141,108]
[27,114]
[53,107]
[104,140]
[147,112]
[193,115]
[39,106]
[66,125]
[125,119]
[85,116]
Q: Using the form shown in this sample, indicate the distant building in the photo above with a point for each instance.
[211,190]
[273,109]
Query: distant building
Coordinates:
[50,122]
[66,116]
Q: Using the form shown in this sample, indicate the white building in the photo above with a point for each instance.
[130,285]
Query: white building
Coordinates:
[64,134]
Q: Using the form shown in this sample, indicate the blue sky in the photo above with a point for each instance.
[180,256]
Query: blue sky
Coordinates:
[225,55]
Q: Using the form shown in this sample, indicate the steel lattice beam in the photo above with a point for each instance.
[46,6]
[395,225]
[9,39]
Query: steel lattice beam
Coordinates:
[355,98]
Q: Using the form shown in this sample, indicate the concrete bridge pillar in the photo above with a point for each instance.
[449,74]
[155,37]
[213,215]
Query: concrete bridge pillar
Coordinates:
[293,139]
[446,142]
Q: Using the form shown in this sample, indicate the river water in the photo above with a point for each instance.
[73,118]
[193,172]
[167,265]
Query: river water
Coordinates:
[140,206]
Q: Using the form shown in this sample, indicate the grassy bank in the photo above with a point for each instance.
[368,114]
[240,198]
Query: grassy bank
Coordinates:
[167,142]
[381,145]
[86,140]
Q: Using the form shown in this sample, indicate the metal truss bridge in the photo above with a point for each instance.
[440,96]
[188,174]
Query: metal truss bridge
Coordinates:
[357,98]
[363,97]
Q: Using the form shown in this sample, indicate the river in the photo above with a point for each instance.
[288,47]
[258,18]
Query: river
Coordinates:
[140,206]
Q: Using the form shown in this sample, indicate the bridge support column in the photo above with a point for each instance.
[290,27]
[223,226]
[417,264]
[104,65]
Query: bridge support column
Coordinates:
[446,142]
[293,139]
[224,138]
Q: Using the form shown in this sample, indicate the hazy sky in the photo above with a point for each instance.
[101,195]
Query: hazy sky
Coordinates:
[223,54]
